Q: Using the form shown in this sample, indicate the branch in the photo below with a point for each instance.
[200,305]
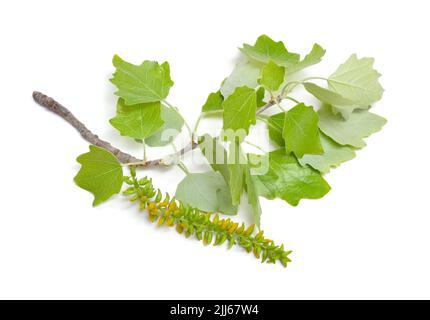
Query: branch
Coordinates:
[123,157]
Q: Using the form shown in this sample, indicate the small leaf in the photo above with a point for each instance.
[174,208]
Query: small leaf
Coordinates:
[100,174]
[334,154]
[206,191]
[240,109]
[357,81]
[276,127]
[288,180]
[265,49]
[260,97]
[301,132]
[148,82]
[253,197]
[236,166]
[245,73]
[272,76]
[214,102]
[311,58]
[359,125]
[137,121]
[326,95]
[172,126]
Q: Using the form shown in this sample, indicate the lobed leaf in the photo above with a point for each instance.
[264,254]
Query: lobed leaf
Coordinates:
[147,82]
[137,121]
[100,173]
[359,125]
[301,132]
[288,180]
[357,81]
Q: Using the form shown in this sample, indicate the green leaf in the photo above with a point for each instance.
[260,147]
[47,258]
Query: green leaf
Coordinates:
[206,191]
[214,102]
[245,73]
[100,174]
[359,125]
[334,154]
[137,121]
[236,165]
[148,82]
[240,109]
[265,49]
[357,81]
[172,126]
[272,76]
[260,97]
[231,166]
[288,180]
[276,127]
[253,199]
[326,95]
[301,132]
[310,59]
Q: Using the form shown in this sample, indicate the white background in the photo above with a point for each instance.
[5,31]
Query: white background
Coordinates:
[368,238]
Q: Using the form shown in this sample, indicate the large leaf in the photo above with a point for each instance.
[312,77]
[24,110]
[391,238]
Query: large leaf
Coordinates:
[253,199]
[245,73]
[288,180]
[310,59]
[206,191]
[326,95]
[100,174]
[301,132]
[265,49]
[240,109]
[213,102]
[172,126]
[137,121]
[357,81]
[272,76]
[148,82]
[359,125]
[334,154]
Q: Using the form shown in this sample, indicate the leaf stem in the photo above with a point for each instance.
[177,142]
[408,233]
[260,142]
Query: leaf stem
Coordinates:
[255,146]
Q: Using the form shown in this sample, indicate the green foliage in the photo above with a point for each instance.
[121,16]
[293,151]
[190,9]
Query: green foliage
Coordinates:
[357,81]
[214,102]
[334,154]
[310,140]
[137,121]
[240,109]
[172,126]
[360,124]
[100,174]
[288,180]
[310,59]
[265,50]
[245,73]
[204,227]
[148,82]
[272,76]
[301,132]
[326,95]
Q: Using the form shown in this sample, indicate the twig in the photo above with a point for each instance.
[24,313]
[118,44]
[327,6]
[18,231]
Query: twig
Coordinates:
[123,157]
